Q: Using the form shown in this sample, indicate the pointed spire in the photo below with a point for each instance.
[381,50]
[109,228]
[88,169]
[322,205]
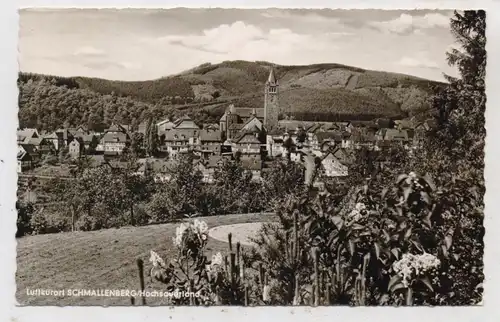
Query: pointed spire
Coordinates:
[272,77]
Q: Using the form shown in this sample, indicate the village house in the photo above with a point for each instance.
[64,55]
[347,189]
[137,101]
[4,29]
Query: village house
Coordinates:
[210,143]
[25,135]
[114,140]
[248,145]
[24,158]
[75,148]
[64,137]
[175,143]
[209,166]
[85,137]
[332,166]
[182,136]
[275,140]
[164,126]
[254,166]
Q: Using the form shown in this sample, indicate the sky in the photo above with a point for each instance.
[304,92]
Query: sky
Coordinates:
[143,44]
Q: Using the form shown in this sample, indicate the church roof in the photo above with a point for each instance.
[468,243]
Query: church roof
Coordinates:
[272,77]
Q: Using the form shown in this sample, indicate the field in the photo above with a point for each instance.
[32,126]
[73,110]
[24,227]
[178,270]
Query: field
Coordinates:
[104,259]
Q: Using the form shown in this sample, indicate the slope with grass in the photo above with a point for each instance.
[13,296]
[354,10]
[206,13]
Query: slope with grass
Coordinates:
[104,259]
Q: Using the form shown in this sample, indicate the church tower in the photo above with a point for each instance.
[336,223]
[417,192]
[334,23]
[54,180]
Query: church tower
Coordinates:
[271,102]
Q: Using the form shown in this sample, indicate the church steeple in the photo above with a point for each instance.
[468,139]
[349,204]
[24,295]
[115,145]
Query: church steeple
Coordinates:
[271,102]
[271,80]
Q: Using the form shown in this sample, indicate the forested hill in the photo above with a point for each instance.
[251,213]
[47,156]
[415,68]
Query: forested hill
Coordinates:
[312,92]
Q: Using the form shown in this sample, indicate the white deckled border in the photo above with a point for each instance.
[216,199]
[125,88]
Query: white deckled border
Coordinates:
[8,184]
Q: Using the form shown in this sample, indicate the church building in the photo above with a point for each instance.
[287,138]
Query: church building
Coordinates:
[237,120]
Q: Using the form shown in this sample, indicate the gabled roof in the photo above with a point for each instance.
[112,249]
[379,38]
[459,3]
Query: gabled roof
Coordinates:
[51,136]
[210,136]
[29,148]
[35,141]
[395,134]
[114,137]
[185,122]
[116,128]
[214,161]
[252,118]
[313,128]
[167,120]
[328,136]
[246,137]
[243,112]
[26,134]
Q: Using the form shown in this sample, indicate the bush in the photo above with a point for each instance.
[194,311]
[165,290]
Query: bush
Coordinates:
[24,213]
[48,222]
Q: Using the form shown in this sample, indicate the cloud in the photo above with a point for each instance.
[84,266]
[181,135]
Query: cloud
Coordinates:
[413,62]
[241,40]
[407,22]
[162,43]
[89,51]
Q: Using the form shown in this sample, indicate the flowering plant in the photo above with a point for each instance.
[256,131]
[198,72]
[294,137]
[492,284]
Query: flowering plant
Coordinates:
[191,272]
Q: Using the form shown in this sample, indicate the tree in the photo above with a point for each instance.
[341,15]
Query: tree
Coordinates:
[301,136]
[183,195]
[151,138]
[233,188]
[284,178]
[457,145]
[455,152]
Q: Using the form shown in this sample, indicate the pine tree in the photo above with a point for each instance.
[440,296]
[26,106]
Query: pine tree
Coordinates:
[458,144]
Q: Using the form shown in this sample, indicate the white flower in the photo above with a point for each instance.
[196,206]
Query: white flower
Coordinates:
[217,259]
[360,206]
[156,259]
[200,227]
[215,264]
[356,214]
[411,266]
[179,234]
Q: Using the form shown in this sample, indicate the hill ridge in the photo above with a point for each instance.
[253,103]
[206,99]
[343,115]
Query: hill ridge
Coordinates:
[326,91]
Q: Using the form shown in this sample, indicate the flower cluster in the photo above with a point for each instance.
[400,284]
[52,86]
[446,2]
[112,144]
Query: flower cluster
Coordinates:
[197,227]
[215,264]
[357,213]
[413,179]
[179,234]
[201,228]
[410,266]
[156,260]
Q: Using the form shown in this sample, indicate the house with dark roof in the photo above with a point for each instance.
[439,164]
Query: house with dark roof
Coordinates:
[183,135]
[114,140]
[254,166]
[75,148]
[164,126]
[175,142]
[210,143]
[247,144]
[24,158]
[208,167]
[25,135]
